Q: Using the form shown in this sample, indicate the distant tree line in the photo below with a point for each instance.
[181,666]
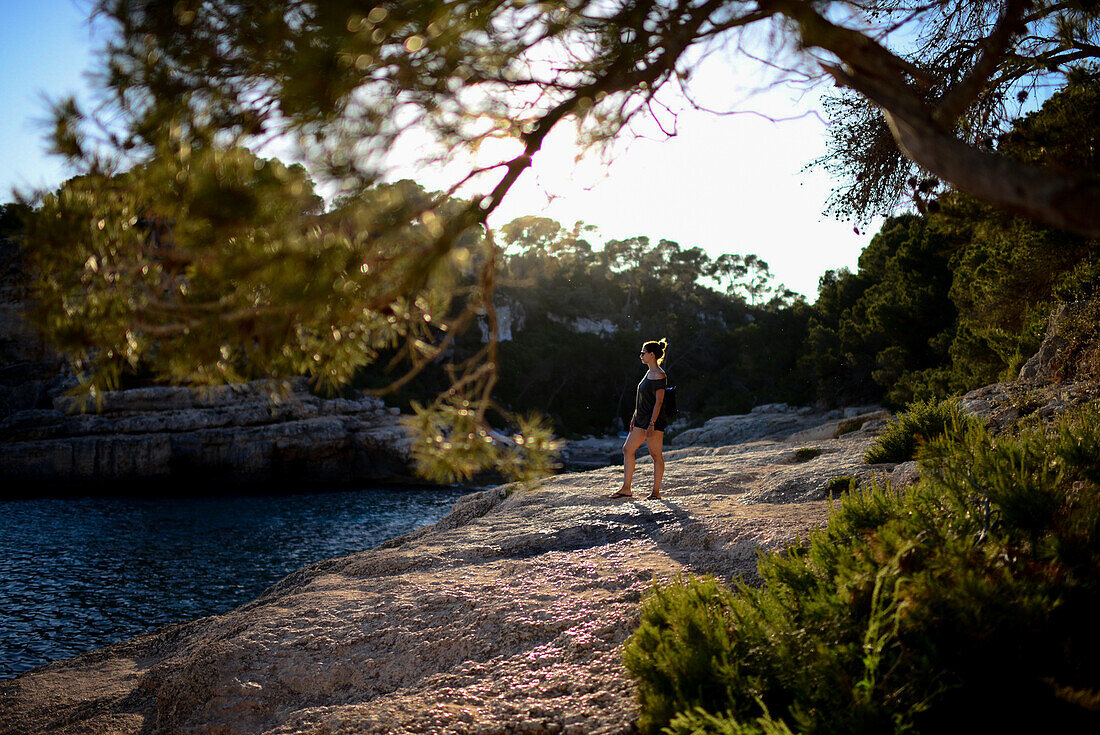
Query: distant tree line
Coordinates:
[588,311]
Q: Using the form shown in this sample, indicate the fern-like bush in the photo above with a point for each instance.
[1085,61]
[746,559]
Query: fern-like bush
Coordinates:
[968,603]
[921,422]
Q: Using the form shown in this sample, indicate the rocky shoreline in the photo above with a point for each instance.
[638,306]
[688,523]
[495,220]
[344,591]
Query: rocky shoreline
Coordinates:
[506,616]
[272,434]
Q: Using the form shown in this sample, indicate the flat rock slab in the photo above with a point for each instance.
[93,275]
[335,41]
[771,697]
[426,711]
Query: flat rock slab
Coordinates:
[778,421]
[507,616]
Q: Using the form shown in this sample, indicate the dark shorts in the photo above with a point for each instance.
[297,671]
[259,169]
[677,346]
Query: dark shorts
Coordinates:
[661,424]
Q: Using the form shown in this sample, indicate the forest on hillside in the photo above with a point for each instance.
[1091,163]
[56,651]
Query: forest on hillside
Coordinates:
[944,300]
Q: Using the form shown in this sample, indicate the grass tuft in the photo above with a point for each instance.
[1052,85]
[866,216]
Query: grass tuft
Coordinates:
[837,486]
[805,454]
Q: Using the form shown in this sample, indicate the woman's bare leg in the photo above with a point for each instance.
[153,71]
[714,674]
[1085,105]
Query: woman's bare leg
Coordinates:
[656,443]
[630,446]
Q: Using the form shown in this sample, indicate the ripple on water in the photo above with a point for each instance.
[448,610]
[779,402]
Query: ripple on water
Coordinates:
[81,573]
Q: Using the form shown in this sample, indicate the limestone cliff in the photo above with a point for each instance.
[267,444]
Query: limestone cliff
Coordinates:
[259,432]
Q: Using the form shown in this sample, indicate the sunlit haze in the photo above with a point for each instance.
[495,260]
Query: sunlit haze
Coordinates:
[724,183]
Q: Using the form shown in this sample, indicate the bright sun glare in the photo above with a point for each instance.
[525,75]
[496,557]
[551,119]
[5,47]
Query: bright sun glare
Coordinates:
[723,183]
[730,183]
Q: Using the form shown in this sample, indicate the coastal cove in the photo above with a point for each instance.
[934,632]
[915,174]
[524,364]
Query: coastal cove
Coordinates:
[507,615]
[372,440]
[508,612]
[83,572]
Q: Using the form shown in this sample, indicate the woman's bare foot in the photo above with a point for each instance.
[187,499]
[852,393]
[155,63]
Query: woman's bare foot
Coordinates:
[656,495]
[622,494]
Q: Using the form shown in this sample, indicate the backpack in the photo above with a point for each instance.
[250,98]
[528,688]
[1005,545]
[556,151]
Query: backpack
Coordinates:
[668,405]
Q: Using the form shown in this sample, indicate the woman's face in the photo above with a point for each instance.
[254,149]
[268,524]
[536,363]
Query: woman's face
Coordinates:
[642,354]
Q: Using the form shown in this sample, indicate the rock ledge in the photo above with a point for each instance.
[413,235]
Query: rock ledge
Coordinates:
[259,432]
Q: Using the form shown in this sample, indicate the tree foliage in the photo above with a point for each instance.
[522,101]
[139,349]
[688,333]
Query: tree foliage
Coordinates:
[924,86]
[188,84]
[942,81]
[1009,271]
[872,331]
[958,297]
[921,422]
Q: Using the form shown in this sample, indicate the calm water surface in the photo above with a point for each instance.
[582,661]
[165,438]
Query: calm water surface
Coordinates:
[77,574]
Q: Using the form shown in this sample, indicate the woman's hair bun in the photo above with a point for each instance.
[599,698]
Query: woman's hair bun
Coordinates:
[657,347]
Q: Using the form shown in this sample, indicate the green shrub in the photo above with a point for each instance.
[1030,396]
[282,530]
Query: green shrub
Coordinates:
[924,420]
[966,603]
[840,485]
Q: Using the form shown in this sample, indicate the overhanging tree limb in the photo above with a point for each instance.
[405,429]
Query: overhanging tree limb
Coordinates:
[925,132]
[993,49]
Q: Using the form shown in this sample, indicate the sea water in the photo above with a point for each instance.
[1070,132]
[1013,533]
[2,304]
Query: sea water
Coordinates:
[81,573]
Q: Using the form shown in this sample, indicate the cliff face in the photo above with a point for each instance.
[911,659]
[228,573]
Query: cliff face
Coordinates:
[506,616]
[258,432]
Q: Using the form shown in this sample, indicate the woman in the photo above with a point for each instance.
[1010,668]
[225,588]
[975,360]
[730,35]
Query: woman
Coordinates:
[647,425]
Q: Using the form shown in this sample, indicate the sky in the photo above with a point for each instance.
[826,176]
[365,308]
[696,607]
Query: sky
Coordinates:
[728,184]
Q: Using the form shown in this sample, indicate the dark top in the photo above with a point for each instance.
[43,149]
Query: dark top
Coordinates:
[646,400]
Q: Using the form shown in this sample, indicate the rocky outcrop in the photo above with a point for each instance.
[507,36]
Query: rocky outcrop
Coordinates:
[1041,365]
[1002,406]
[507,616]
[1060,376]
[592,452]
[774,421]
[261,432]
[852,419]
[1070,351]
[779,421]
